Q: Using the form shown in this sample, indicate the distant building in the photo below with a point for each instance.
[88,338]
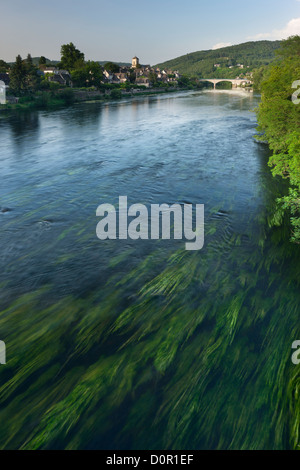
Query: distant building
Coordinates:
[50,70]
[62,77]
[115,79]
[142,81]
[141,75]
[108,75]
[135,62]
[122,77]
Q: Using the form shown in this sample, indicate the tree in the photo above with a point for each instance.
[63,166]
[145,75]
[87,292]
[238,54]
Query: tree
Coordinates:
[18,76]
[259,76]
[43,60]
[153,78]
[4,67]
[23,76]
[71,58]
[116,94]
[290,47]
[80,78]
[183,81]
[29,64]
[132,76]
[111,67]
[279,120]
[90,74]
[32,79]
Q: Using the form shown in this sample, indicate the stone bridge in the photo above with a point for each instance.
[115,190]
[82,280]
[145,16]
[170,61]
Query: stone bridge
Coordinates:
[235,82]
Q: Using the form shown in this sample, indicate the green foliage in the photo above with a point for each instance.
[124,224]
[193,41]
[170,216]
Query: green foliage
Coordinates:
[67,96]
[173,350]
[192,335]
[71,57]
[153,78]
[54,86]
[23,76]
[259,76]
[290,47]
[18,76]
[45,84]
[224,86]
[43,60]
[116,94]
[291,203]
[111,67]
[183,81]
[32,78]
[87,75]
[4,67]
[279,123]
[201,64]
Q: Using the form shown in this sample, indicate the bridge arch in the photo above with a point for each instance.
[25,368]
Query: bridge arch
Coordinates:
[235,82]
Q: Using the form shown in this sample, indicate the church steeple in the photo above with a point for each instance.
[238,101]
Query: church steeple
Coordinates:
[135,62]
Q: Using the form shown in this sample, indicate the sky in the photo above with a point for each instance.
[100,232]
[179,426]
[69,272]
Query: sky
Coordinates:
[154,30]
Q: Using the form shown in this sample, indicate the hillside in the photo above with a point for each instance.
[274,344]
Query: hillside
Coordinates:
[52,63]
[101,62]
[202,64]
[121,64]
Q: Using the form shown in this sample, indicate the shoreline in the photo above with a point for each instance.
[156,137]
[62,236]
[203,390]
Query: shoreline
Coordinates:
[61,100]
[79,96]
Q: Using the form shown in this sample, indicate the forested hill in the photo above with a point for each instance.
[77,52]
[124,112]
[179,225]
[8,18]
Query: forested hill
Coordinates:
[36,61]
[225,62]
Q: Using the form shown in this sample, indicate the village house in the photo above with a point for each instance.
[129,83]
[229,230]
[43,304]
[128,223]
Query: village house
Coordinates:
[143,81]
[56,75]
[50,70]
[108,75]
[62,77]
[139,72]
[4,85]
[115,79]
[4,77]
[122,77]
[172,80]
[142,74]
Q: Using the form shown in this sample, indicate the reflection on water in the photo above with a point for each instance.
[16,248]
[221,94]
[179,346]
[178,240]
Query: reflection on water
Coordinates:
[124,344]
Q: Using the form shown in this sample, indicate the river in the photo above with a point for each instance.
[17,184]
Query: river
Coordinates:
[123,344]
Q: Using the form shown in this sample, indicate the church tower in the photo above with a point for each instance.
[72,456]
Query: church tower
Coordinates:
[135,62]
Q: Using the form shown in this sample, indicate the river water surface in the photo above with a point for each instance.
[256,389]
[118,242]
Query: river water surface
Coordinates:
[123,344]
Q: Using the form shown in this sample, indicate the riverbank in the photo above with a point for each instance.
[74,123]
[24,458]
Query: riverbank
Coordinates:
[278,124]
[68,96]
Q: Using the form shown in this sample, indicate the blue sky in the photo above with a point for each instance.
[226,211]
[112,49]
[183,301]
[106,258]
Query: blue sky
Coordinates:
[154,30]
